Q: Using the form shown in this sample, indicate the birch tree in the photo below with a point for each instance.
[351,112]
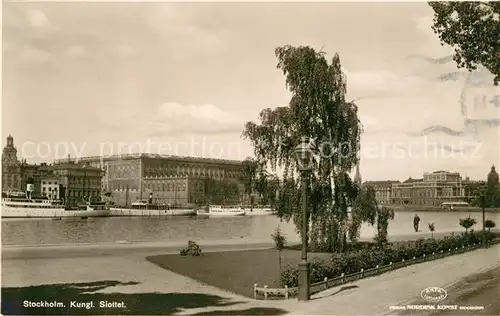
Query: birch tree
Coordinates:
[319,111]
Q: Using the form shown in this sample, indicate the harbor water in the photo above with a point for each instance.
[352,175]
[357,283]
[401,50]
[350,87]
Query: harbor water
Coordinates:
[136,229]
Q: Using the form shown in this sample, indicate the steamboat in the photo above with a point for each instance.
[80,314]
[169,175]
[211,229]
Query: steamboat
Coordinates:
[259,210]
[148,208]
[21,205]
[222,210]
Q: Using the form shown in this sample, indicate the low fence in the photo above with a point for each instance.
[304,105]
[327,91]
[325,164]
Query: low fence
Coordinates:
[279,293]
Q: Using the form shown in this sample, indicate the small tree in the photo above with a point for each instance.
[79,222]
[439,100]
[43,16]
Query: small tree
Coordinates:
[279,240]
[384,214]
[467,223]
[489,224]
[432,228]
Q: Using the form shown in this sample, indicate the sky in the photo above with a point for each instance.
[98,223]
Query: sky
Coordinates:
[183,78]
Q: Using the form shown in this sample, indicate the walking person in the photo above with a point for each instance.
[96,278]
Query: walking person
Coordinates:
[416,222]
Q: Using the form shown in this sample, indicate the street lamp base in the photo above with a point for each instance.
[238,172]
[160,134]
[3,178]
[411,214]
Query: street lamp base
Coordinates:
[304,293]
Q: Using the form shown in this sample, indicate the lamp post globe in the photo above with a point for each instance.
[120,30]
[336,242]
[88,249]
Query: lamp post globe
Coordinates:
[304,159]
[303,155]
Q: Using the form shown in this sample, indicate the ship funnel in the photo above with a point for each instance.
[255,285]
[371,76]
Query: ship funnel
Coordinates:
[150,201]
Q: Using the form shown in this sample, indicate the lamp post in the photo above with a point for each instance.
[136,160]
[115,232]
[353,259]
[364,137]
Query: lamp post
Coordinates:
[303,157]
[83,183]
[483,206]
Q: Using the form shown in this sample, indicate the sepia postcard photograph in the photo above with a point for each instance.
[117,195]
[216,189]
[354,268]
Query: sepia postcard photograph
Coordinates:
[250,158]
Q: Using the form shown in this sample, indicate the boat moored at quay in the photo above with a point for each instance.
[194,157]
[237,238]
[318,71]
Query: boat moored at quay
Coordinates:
[23,207]
[259,210]
[146,208]
[222,210]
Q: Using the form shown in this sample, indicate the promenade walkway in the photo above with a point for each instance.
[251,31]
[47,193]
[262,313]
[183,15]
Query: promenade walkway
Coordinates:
[374,296]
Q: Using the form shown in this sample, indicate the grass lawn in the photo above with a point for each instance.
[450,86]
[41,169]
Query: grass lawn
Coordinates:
[89,301]
[234,271]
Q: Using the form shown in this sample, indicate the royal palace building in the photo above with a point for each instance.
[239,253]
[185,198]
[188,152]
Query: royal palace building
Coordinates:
[383,190]
[432,190]
[170,179]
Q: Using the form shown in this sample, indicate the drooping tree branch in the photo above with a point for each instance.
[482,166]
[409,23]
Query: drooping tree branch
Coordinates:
[317,110]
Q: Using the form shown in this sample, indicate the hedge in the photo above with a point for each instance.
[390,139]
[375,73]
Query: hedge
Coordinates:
[351,262]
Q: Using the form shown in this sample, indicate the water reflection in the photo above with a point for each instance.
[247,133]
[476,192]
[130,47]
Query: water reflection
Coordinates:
[33,231]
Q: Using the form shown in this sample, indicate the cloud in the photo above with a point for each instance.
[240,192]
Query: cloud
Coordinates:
[7,46]
[127,51]
[76,51]
[424,24]
[173,118]
[37,18]
[182,35]
[380,81]
[35,55]
[370,123]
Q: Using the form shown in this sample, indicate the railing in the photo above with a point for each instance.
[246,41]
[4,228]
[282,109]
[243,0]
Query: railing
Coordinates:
[279,293]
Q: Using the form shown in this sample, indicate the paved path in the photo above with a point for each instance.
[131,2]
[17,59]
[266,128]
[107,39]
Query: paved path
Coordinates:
[475,291]
[374,296]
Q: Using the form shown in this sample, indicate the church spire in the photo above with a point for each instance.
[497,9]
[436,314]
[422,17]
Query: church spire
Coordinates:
[357,177]
[492,177]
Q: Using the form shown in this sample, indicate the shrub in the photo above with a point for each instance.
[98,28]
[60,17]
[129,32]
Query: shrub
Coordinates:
[467,223]
[193,249]
[432,227]
[351,262]
[320,269]
[489,224]
[289,276]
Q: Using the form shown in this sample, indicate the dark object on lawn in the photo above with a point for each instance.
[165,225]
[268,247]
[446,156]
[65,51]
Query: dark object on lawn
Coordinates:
[193,249]
[416,222]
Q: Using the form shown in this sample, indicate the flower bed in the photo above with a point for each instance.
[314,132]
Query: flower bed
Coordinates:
[347,267]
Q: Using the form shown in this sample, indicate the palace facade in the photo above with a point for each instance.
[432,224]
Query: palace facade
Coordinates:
[432,190]
[171,179]
[383,190]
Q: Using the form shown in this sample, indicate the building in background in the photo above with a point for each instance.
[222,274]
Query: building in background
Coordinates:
[33,174]
[11,167]
[51,188]
[171,179]
[383,190]
[17,174]
[77,182]
[432,190]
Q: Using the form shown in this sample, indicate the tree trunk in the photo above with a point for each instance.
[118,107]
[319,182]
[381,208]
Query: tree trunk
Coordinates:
[279,261]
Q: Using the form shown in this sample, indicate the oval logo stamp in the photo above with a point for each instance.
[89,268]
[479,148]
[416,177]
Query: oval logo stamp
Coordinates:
[433,294]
